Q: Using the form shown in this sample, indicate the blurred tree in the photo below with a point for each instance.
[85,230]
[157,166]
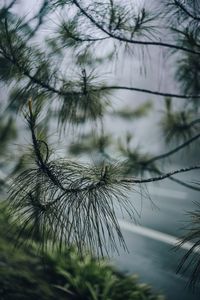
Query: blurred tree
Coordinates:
[56,74]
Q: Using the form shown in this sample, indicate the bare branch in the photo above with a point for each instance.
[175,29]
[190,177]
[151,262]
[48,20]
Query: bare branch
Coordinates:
[180,182]
[149,92]
[185,184]
[164,155]
[161,177]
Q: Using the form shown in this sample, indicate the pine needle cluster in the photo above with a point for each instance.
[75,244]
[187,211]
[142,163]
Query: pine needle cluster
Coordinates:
[68,203]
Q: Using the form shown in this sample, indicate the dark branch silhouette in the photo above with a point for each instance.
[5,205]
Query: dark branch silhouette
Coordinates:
[173,95]
[131,41]
[171,152]
[183,8]
[161,177]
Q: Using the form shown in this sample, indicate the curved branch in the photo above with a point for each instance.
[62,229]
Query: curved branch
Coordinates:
[31,77]
[50,88]
[59,92]
[130,41]
[194,122]
[181,6]
[85,39]
[148,92]
[161,177]
[161,156]
[14,61]
[189,186]
[94,185]
[10,5]
[45,167]
[41,163]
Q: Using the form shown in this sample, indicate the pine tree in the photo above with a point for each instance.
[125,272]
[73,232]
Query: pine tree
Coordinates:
[52,71]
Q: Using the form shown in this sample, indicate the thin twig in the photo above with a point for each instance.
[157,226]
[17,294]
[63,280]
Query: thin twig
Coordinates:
[181,6]
[161,177]
[173,95]
[164,155]
[10,5]
[194,122]
[185,184]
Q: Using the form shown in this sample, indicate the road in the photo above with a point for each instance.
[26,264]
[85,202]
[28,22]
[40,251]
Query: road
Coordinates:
[150,244]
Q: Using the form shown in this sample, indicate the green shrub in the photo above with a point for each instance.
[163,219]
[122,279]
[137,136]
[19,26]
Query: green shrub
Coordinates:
[26,274]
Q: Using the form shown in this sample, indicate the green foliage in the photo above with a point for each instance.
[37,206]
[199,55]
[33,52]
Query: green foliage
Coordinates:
[184,20]
[23,274]
[188,75]
[19,97]
[8,133]
[68,33]
[8,70]
[89,143]
[82,100]
[179,125]
[136,163]
[60,201]
[84,31]
[131,114]
[96,280]
[26,275]
[190,262]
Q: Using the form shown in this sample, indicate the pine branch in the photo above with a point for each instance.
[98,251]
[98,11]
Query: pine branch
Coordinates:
[190,262]
[10,5]
[130,41]
[75,103]
[102,181]
[72,203]
[49,88]
[155,171]
[185,184]
[180,182]
[184,9]
[33,78]
[39,17]
[149,92]
[81,39]
[194,122]
[46,168]
[175,150]
[161,177]
[60,92]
